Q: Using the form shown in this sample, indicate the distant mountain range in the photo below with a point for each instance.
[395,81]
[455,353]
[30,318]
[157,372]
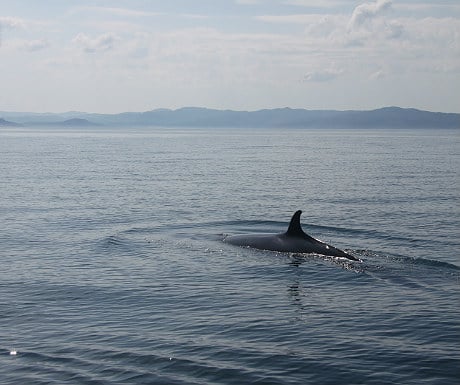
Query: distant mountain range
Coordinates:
[6,123]
[388,117]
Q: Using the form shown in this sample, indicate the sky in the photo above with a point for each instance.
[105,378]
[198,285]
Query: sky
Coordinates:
[138,55]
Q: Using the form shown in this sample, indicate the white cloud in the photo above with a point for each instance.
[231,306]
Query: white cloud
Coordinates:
[99,43]
[36,45]
[322,75]
[289,19]
[114,11]
[366,12]
[434,44]
[328,4]
[125,12]
[377,75]
[431,9]
[371,25]
[12,22]
[247,2]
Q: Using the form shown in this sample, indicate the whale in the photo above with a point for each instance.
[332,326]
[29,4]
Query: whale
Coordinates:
[294,240]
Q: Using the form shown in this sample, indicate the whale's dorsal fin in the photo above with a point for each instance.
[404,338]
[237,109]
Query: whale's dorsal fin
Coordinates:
[295,230]
[294,227]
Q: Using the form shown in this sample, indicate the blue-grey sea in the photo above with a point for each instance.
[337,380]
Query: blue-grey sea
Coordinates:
[113,269]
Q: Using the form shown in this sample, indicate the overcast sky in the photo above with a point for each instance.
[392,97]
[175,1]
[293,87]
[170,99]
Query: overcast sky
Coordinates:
[137,55]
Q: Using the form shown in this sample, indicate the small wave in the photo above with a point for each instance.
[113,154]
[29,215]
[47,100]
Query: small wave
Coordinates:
[429,263]
[411,272]
[113,240]
[372,256]
[296,259]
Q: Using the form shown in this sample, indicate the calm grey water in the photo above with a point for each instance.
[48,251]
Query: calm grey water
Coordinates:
[113,270]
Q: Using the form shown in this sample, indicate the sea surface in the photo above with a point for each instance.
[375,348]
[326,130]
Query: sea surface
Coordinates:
[113,269]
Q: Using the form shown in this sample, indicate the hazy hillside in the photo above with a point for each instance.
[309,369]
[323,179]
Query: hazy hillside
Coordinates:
[7,123]
[388,117]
